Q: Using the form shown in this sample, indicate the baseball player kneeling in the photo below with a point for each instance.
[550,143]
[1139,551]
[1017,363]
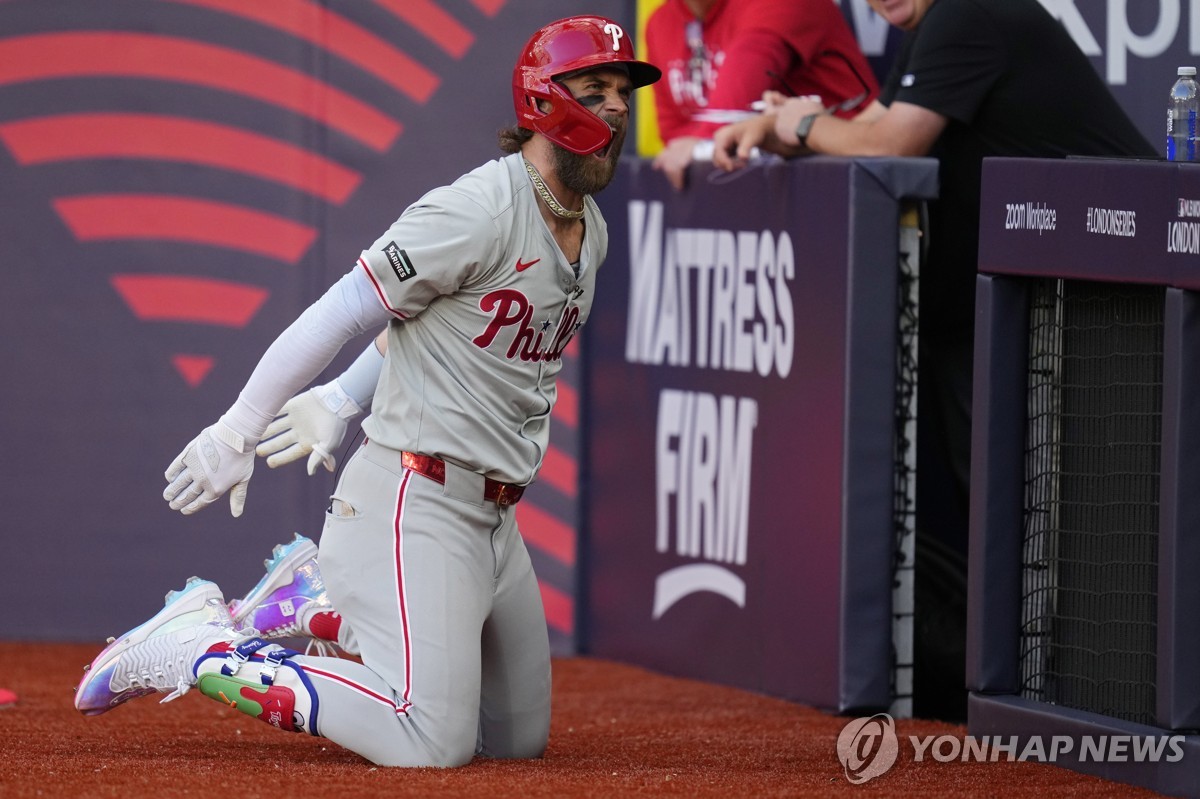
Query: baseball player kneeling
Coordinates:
[481,284]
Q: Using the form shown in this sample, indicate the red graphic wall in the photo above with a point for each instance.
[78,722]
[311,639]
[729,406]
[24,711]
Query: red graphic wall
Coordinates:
[180,178]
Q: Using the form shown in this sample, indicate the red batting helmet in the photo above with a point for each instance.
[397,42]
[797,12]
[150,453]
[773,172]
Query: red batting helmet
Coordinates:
[562,47]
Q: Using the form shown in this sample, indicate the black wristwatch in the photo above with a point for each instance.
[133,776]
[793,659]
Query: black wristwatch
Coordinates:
[804,127]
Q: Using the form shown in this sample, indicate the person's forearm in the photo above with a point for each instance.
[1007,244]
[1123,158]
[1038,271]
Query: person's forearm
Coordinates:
[900,131]
[301,351]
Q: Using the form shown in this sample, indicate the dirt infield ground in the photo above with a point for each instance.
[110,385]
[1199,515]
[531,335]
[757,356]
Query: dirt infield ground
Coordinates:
[617,731]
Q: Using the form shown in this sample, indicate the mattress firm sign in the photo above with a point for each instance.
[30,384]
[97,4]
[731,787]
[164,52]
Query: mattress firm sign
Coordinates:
[741,320]
[740,488]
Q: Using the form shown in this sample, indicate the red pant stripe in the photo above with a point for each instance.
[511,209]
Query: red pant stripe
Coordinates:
[401,599]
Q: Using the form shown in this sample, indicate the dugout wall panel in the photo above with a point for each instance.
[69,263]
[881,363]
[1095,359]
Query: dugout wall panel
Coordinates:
[741,520]
[993,587]
[1124,233]
[1179,590]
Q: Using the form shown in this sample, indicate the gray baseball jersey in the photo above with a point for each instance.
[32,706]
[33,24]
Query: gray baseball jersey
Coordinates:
[485,303]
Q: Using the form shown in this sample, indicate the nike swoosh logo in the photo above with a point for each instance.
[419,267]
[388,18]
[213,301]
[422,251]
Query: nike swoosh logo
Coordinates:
[523,265]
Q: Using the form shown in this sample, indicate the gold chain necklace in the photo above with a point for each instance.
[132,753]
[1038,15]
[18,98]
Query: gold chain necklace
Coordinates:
[556,208]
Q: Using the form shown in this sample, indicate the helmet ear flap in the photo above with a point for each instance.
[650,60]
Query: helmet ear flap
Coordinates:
[567,123]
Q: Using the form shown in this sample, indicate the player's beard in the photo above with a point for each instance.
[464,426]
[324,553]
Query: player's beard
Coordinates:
[587,174]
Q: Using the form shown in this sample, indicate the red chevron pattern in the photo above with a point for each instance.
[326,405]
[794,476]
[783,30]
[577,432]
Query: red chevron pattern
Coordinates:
[185,219]
[437,26]
[69,137]
[46,56]
[283,151]
[313,23]
[199,300]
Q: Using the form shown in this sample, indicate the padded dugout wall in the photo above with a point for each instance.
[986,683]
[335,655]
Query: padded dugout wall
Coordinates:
[1085,525]
[743,414]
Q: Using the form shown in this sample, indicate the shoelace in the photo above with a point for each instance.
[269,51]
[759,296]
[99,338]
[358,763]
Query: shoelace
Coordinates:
[323,648]
[181,688]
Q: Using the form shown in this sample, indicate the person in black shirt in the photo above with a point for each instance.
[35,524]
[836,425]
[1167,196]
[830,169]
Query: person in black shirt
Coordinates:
[972,79]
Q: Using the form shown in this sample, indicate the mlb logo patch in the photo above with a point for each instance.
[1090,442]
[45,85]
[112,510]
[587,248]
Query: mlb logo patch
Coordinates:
[402,265]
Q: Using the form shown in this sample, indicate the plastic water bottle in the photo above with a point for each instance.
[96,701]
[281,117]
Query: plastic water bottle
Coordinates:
[1181,117]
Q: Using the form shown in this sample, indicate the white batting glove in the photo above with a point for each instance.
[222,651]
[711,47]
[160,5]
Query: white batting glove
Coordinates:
[314,424]
[213,463]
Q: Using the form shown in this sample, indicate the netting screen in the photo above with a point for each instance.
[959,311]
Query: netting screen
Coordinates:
[904,486]
[1090,541]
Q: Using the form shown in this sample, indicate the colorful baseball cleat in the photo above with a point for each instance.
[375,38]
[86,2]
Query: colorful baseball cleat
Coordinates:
[287,596]
[159,655]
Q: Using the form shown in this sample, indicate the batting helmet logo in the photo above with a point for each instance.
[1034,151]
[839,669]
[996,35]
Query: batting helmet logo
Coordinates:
[563,47]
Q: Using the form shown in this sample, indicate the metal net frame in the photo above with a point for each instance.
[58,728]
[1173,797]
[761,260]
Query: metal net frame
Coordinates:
[904,459]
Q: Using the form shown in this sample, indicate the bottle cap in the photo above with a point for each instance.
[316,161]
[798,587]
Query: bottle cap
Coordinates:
[1186,71]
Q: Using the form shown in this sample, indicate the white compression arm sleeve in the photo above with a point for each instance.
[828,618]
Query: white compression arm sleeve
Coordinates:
[359,380]
[349,308]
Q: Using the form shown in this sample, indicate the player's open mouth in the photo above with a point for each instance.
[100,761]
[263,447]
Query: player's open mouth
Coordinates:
[603,151]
